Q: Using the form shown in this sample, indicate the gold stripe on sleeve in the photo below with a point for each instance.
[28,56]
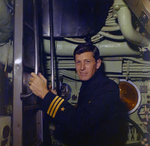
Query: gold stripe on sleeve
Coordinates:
[55,104]
[48,111]
[55,111]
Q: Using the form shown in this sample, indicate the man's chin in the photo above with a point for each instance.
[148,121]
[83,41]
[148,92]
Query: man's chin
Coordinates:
[83,78]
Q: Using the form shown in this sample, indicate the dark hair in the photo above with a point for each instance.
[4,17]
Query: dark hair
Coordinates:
[87,47]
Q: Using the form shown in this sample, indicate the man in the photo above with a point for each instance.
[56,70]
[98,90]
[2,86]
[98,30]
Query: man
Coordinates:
[99,118]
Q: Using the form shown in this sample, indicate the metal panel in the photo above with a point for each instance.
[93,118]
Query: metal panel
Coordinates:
[27,118]
[73,18]
[17,73]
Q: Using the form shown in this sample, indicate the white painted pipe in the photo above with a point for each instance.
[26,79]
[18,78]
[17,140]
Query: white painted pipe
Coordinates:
[125,23]
[6,54]
[106,48]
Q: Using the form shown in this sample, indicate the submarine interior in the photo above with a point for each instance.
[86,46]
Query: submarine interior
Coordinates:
[41,35]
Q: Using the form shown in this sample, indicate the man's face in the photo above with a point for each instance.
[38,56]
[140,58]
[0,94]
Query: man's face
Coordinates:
[86,65]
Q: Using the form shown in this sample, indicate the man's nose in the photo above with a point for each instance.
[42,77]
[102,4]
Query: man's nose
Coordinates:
[82,66]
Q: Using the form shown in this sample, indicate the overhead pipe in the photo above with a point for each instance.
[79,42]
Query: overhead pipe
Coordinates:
[64,48]
[6,22]
[122,12]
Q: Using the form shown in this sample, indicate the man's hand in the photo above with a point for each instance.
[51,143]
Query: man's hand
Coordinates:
[52,90]
[38,85]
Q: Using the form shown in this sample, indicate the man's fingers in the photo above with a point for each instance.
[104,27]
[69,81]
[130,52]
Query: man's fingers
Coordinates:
[38,85]
[42,77]
[29,83]
[31,79]
[34,75]
[50,86]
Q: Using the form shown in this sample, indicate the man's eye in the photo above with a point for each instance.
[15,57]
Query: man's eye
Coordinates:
[77,62]
[87,61]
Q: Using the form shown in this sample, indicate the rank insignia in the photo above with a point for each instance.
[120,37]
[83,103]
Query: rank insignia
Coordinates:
[62,109]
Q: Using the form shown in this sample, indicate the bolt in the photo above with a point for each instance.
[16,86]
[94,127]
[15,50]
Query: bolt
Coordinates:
[115,15]
[117,7]
[18,125]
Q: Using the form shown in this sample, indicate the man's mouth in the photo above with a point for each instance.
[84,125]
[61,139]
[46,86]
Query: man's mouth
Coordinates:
[82,74]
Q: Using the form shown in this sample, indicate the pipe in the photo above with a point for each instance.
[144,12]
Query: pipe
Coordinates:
[36,39]
[3,54]
[124,19]
[113,28]
[51,42]
[116,37]
[106,48]
[72,75]
[99,35]
[6,22]
[137,60]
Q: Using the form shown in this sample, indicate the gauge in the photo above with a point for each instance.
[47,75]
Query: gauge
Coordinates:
[130,95]
[65,91]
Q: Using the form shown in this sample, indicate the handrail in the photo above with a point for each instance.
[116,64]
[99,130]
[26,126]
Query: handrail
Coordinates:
[36,40]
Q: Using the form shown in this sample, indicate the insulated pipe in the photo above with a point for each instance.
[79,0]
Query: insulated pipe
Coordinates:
[6,23]
[124,19]
[106,48]
[3,54]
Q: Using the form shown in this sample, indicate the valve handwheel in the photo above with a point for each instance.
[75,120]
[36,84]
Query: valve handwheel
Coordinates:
[144,112]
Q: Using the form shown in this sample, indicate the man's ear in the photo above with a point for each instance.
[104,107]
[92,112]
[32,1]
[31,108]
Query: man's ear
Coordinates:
[98,64]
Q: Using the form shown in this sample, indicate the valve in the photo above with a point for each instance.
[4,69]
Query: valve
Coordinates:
[144,112]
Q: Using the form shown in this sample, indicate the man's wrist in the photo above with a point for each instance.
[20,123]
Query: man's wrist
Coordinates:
[44,94]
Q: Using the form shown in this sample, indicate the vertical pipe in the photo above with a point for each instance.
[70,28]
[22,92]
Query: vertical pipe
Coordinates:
[36,40]
[51,42]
